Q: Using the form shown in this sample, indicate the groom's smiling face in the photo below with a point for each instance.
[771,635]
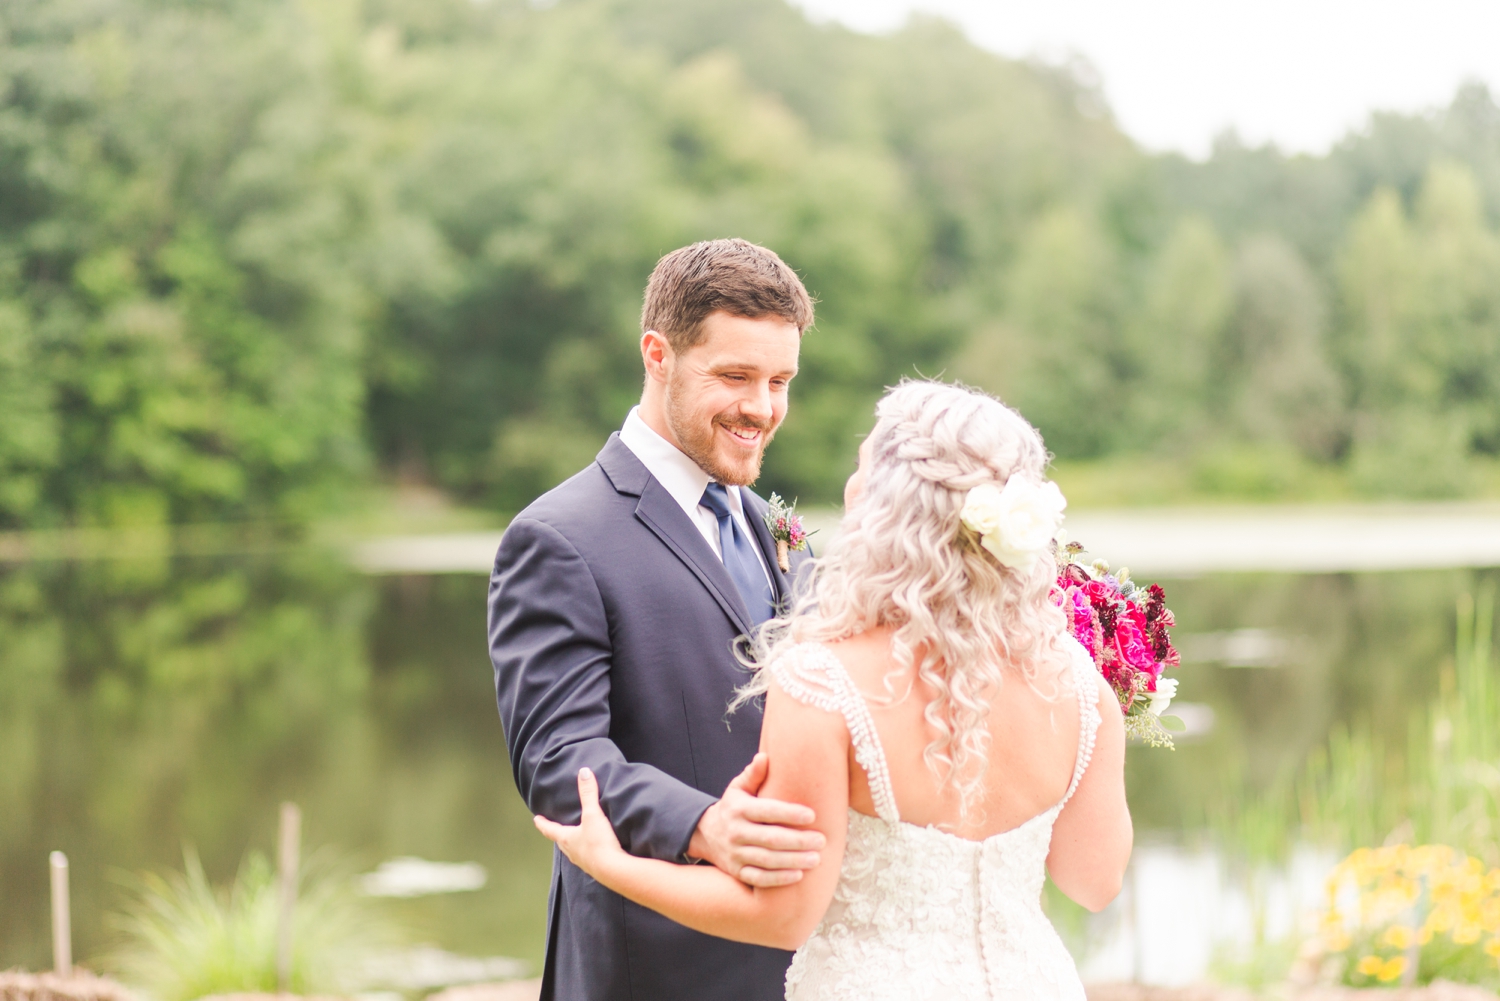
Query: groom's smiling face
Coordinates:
[726,395]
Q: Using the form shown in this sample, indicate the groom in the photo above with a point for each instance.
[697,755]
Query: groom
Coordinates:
[614,605]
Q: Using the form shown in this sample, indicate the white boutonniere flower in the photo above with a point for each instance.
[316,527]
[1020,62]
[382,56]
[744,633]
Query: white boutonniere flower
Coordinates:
[1016,523]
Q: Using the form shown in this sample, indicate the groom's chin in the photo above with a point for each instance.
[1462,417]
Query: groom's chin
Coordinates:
[736,471]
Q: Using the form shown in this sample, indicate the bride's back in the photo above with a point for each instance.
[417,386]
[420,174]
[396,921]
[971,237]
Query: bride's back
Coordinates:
[947,549]
[1033,743]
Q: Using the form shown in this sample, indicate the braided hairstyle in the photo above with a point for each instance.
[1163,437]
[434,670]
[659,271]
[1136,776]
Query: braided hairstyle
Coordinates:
[904,559]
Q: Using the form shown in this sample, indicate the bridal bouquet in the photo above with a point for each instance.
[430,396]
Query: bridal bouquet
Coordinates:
[1124,628]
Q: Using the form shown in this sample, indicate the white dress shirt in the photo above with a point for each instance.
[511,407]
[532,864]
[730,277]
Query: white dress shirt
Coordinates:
[686,481]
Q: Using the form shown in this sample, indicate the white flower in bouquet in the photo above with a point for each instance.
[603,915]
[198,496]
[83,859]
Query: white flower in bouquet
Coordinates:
[1166,691]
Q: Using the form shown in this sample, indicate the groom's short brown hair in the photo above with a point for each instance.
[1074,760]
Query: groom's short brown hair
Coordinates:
[735,276]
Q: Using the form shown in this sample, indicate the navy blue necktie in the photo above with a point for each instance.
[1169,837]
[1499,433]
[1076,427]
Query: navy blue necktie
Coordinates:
[739,557]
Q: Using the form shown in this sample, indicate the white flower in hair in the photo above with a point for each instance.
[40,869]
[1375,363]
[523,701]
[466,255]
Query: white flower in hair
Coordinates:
[1016,523]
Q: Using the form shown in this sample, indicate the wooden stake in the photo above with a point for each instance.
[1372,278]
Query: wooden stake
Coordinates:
[62,924]
[288,850]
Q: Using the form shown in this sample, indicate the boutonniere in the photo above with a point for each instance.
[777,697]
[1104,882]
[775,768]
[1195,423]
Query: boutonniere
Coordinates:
[786,528]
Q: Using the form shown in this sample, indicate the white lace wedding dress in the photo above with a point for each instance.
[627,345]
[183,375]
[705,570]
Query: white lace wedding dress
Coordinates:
[919,914]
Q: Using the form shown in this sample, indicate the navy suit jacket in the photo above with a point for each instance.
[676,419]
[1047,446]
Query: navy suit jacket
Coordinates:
[611,622]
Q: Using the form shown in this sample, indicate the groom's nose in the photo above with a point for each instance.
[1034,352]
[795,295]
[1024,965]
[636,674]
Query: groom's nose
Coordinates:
[756,402]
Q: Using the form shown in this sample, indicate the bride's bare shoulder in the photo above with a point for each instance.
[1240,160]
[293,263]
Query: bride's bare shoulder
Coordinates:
[867,657]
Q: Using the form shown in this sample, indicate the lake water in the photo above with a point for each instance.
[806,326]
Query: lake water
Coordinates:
[147,705]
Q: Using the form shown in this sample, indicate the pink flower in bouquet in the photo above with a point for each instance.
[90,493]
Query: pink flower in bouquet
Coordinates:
[1134,645]
[1084,624]
[1124,628]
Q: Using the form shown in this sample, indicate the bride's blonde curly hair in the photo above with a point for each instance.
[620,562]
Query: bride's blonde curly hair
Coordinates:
[903,559]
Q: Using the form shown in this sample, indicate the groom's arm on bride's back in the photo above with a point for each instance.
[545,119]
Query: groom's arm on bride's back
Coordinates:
[550,645]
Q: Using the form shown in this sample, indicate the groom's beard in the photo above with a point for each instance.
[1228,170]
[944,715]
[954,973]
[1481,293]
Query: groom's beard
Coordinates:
[696,436]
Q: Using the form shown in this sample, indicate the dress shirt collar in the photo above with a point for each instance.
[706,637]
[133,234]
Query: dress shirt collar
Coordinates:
[681,476]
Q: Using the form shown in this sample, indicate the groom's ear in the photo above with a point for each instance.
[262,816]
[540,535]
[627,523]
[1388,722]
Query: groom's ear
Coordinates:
[656,355]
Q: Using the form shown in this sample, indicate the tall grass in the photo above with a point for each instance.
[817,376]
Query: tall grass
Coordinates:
[1440,786]
[185,939]
[1443,789]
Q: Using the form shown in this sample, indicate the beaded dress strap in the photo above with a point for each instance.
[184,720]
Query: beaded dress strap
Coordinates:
[811,674]
[1084,675]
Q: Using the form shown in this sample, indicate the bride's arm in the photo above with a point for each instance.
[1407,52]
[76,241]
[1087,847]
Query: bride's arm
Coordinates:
[808,751]
[1092,838]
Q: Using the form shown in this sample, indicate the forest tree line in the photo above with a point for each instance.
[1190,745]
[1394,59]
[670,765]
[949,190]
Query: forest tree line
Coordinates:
[256,252]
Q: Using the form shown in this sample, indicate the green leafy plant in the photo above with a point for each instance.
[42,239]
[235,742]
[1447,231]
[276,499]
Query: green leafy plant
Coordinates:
[1259,964]
[185,938]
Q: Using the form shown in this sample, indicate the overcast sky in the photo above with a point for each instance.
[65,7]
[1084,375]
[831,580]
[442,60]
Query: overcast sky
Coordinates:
[1299,73]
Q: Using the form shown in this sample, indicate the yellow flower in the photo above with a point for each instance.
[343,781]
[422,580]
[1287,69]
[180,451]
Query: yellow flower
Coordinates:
[1490,916]
[1398,937]
[1406,896]
[1391,970]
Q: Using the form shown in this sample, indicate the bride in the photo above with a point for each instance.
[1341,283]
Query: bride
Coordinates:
[924,698]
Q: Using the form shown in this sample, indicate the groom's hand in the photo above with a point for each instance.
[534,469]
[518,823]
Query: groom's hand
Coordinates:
[755,840]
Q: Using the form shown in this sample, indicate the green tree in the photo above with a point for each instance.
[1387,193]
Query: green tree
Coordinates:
[1422,334]
[1176,335]
[1058,354]
[1281,385]
[192,215]
[252,252]
[28,432]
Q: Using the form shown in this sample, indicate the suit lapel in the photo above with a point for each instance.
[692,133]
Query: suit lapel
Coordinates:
[665,518]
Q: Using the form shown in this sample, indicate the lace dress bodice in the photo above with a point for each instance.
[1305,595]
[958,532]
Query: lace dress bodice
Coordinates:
[920,914]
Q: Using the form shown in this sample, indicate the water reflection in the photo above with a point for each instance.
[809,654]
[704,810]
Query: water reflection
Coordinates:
[147,704]
[1349,648]
[1186,913]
